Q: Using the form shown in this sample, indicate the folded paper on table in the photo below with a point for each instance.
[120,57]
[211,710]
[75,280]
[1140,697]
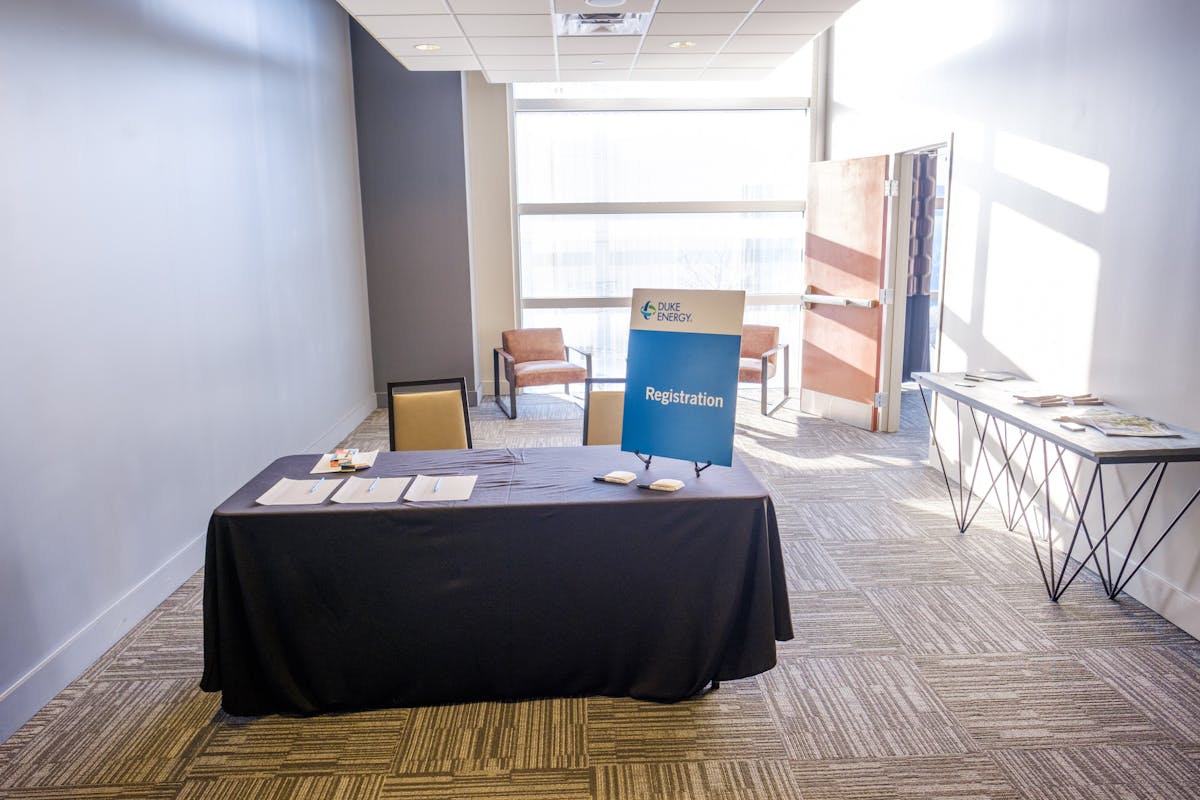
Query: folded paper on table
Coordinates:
[666,485]
[371,490]
[439,489]
[288,492]
[619,476]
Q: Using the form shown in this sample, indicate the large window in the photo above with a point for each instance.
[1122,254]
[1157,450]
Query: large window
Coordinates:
[695,192]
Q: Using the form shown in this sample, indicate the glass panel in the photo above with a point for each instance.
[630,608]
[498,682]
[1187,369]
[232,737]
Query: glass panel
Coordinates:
[646,156]
[603,331]
[608,255]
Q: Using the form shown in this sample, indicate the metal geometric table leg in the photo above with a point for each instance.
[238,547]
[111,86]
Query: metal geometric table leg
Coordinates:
[963,516]
[1115,585]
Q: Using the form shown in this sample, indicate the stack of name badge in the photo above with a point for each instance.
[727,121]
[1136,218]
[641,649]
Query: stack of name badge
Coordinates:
[343,460]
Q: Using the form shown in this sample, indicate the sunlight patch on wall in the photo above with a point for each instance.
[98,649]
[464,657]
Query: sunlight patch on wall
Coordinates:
[1040,299]
[961,250]
[1072,177]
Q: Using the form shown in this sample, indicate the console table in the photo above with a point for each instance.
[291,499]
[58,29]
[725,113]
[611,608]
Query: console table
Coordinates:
[1020,431]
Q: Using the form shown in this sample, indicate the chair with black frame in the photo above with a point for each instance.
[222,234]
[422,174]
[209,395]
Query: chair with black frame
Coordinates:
[603,410]
[760,346]
[535,357]
[425,415]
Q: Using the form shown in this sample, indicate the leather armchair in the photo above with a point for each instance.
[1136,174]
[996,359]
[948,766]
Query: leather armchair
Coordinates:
[535,357]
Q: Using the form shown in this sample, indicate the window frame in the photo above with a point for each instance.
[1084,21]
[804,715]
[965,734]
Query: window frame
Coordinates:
[521,210]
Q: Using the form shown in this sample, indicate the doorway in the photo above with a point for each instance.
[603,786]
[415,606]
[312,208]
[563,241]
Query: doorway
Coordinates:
[917,269]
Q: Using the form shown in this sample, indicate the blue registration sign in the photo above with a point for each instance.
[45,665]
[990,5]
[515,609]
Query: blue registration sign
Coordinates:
[681,380]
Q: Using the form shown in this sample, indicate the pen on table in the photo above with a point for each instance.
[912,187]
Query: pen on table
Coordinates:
[437,484]
[315,485]
[371,488]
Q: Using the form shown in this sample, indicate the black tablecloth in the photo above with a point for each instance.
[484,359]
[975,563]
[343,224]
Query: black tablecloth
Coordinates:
[543,583]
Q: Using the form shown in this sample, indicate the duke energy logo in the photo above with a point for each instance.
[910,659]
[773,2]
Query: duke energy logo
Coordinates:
[665,311]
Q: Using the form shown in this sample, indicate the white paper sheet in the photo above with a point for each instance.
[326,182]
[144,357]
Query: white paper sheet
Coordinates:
[440,488]
[371,490]
[288,492]
[366,459]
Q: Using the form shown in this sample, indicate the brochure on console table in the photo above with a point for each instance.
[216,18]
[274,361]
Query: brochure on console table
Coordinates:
[440,488]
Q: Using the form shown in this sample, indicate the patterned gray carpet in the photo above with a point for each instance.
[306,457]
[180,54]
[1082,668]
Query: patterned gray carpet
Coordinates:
[927,664]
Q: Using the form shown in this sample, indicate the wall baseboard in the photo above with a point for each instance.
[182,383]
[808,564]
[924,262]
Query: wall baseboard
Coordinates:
[346,425]
[1161,596]
[19,702]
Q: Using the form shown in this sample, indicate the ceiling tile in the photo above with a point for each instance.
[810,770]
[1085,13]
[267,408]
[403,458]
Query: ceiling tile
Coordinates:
[357,7]
[682,60]
[513,45]
[500,6]
[445,63]
[766,44]
[517,62]
[788,24]
[736,74]
[695,6]
[405,48]
[521,76]
[662,44]
[694,24]
[587,45]
[581,7]
[507,24]
[750,60]
[620,61]
[666,74]
[592,75]
[409,26]
[838,6]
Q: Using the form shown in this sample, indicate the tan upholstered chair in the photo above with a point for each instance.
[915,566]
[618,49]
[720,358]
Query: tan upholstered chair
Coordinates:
[426,415]
[760,346]
[603,410]
[535,357]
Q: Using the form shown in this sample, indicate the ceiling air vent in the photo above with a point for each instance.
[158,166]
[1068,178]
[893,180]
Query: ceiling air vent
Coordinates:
[602,24]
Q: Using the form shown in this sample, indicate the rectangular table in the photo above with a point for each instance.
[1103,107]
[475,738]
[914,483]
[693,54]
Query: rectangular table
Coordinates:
[543,583]
[1020,431]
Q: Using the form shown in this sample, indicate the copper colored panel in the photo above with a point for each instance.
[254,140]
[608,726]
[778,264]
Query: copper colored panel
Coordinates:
[847,225]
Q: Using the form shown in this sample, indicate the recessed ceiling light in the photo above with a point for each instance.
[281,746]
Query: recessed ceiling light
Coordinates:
[681,45]
[427,47]
[605,3]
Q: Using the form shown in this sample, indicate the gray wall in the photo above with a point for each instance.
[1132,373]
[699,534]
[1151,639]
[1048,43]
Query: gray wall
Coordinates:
[1074,219]
[182,296]
[414,199]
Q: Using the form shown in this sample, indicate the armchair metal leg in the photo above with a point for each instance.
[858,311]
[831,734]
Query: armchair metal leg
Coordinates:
[511,411]
[787,386]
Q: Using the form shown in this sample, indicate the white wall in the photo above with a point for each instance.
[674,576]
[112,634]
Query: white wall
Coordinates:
[1073,214]
[489,150]
[183,296]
